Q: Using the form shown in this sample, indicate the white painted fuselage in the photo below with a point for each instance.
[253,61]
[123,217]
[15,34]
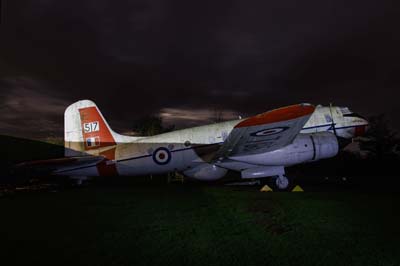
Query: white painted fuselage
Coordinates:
[190,150]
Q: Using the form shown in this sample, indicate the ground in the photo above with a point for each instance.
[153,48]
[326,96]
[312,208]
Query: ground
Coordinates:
[190,224]
[345,217]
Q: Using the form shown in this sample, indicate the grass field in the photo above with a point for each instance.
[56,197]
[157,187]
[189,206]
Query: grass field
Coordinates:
[148,222]
[198,225]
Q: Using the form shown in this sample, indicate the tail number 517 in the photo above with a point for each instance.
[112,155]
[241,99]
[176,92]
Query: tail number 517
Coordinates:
[91,127]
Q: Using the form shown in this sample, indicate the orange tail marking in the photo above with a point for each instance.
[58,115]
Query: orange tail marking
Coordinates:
[108,166]
[95,132]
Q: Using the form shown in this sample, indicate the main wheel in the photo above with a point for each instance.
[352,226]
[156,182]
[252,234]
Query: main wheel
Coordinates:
[282,182]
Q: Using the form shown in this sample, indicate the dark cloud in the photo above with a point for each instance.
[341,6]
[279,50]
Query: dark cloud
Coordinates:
[29,109]
[139,57]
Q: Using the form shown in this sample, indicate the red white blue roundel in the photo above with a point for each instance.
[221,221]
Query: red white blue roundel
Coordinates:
[269,131]
[161,156]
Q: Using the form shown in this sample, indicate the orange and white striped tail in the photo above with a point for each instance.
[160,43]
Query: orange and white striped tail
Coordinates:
[86,129]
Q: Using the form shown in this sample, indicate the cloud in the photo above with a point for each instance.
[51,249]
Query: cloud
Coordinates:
[195,117]
[137,58]
[29,109]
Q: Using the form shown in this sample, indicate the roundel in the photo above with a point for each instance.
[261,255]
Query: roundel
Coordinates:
[269,131]
[161,156]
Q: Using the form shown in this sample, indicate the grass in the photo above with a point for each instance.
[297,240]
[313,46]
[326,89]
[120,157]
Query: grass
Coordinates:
[198,225]
[149,223]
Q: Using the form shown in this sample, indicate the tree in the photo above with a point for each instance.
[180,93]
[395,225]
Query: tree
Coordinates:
[150,126]
[382,138]
[218,115]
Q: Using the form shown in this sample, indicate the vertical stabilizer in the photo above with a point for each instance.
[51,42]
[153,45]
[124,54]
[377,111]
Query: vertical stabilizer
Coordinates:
[85,129]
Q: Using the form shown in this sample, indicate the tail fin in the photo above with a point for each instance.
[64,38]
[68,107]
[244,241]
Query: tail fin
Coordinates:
[85,129]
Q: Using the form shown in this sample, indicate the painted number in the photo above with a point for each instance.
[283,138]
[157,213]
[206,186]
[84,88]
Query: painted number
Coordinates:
[91,127]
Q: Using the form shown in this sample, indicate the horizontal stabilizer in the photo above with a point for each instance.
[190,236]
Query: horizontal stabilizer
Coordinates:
[59,164]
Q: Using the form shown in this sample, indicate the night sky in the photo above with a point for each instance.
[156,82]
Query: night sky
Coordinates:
[185,59]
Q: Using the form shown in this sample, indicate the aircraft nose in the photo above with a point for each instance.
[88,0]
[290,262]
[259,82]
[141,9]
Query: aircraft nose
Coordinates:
[361,129]
[366,125]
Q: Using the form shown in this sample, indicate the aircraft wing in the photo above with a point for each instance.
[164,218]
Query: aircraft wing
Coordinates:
[265,132]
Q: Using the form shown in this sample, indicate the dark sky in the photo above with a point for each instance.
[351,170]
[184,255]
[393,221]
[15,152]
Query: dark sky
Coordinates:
[185,59]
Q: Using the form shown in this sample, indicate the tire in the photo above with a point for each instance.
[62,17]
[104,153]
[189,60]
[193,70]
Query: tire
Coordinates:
[281,185]
[282,182]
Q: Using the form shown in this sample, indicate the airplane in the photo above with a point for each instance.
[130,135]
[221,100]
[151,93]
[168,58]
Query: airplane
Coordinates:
[259,146]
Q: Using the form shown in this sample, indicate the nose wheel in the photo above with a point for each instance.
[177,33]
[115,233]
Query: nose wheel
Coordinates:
[282,182]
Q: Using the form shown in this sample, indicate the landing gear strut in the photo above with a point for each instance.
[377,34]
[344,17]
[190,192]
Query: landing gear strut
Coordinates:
[282,182]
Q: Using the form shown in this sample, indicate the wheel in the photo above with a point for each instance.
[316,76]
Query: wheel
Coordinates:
[282,182]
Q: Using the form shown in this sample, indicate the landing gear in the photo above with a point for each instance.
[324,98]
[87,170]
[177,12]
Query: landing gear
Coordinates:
[282,182]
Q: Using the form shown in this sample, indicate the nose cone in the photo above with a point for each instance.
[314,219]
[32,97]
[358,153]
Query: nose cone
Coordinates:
[361,129]
[366,125]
